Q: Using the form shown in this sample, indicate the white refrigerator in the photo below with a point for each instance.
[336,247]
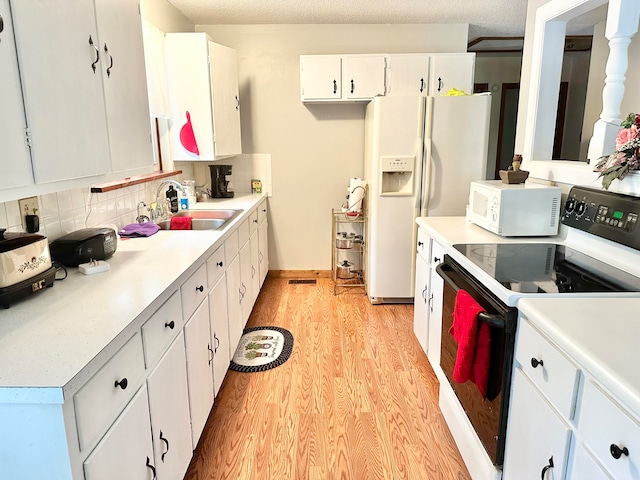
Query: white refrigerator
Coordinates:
[421,153]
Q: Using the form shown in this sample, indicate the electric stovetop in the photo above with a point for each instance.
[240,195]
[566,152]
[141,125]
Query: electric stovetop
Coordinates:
[547,268]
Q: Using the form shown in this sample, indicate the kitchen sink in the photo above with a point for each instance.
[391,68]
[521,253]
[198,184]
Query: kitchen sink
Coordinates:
[203,219]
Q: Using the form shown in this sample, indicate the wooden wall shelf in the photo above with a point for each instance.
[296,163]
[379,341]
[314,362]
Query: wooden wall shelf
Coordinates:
[128,181]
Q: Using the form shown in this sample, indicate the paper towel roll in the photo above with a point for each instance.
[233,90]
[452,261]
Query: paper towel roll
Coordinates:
[357,190]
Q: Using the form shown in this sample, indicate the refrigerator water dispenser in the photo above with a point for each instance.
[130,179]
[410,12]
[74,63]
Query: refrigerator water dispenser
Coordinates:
[397,175]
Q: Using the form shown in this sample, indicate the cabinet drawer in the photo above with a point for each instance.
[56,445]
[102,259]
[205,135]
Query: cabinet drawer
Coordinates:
[161,329]
[423,246]
[215,266]
[193,291]
[104,396]
[243,233]
[554,374]
[231,247]
[253,222]
[262,212]
[605,425]
[437,253]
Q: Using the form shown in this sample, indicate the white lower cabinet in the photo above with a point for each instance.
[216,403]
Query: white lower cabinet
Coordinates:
[234,305]
[537,437]
[263,251]
[254,255]
[199,368]
[420,302]
[219,324]
[246,303]
[126,451]
[585,467]
[427,303]
[169,409]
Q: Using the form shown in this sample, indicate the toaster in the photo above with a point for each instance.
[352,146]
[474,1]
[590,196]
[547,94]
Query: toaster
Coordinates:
[83,246]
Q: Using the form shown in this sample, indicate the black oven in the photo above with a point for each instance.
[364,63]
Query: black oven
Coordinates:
[487,415]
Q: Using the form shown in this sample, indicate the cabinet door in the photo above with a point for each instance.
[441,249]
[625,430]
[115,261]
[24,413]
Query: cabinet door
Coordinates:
[254,246]
[534,435]
[436,291]
[197,338]
[245,282]
[17,172]
[584,466]
[363,77]
[263,251]
[169,408]
[320,77]
[219,323]
[452,71]
[408,74]
[226,100]
[234,295]
[125,85]
[420,302]
[189,90]
[125,452]
[63,94]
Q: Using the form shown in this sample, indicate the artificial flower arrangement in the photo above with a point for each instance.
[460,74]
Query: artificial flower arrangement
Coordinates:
[627,154]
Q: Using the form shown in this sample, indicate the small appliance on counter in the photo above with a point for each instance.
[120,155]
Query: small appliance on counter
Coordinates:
[84,245]
[25,265]
[220,185]
[514,210]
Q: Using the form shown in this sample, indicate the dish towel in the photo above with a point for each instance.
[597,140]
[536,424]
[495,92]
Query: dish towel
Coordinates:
[139,230]
[180,223]
[474,343]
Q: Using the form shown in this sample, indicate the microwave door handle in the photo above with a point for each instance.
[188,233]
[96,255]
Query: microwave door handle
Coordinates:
[492,320]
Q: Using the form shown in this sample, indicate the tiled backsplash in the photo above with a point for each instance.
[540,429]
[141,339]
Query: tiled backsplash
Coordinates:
[245,167]
[69,210]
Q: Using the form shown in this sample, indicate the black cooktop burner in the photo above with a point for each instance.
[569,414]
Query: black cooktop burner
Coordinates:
[547,268]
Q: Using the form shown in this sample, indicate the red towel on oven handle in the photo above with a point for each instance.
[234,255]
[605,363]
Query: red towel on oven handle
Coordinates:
[180,223]
[474,343]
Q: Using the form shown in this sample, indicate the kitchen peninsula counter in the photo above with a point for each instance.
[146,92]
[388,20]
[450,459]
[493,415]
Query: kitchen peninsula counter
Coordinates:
[53,341]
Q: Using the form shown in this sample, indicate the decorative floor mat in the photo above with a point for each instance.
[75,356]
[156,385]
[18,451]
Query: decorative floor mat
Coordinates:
[262,348]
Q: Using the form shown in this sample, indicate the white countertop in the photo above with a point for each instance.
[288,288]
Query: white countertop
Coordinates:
[52,341]
[601,334]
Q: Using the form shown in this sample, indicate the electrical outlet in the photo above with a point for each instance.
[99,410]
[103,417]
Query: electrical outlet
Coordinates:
[28,206]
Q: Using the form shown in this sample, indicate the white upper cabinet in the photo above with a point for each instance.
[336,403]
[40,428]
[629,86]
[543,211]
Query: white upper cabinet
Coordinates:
[363,77]
[320,77]
[203,98]
[226,99]
[341,77]
[58,53]
[125,85]
[452,71]
[82,77]
[408,74]
[17,172]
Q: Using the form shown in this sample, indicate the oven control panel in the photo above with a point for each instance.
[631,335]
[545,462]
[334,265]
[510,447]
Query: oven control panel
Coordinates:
[610,215]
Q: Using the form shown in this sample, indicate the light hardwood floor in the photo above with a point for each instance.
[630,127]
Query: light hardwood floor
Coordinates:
[357,399]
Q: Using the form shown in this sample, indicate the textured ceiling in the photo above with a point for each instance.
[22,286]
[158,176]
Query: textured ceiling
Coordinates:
[485,17]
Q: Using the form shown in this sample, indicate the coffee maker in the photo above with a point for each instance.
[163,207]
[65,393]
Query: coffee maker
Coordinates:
[219,182]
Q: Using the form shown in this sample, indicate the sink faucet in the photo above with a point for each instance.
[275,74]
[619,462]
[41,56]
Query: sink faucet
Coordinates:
[161,206]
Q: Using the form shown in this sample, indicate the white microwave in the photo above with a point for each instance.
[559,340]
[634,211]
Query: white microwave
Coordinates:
[514,210]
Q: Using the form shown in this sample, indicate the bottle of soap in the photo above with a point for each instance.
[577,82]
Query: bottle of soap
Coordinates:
[172,197]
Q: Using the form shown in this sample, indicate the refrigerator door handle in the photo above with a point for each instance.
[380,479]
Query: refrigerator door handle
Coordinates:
[425,192]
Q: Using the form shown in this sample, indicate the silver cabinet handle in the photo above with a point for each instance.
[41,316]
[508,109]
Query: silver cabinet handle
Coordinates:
[93,65]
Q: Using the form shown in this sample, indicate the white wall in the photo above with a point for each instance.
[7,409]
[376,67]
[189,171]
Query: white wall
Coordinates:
[314,149]
[165,16]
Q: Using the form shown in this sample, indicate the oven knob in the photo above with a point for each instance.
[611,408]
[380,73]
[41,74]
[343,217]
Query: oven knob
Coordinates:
[581,208]
[570,205]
